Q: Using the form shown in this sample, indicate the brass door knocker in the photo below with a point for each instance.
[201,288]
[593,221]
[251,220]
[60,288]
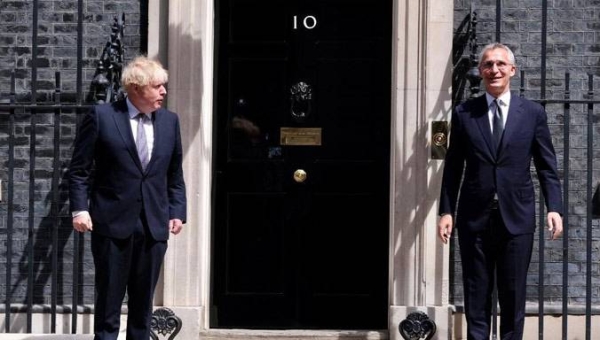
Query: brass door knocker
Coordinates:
[301,101]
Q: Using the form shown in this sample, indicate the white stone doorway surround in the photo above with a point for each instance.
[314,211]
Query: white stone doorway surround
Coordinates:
[181,35]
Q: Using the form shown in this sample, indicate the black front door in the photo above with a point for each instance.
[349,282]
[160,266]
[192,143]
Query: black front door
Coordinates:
[302,164]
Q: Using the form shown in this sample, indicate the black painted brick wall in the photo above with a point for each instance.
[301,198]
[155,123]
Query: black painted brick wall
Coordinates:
[573,45]
[56,51]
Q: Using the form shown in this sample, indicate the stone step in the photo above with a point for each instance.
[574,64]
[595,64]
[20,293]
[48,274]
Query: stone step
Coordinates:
[231,334]
[243,334]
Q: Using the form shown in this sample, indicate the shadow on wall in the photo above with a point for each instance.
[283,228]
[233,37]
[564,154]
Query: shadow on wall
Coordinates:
[52,256]
[427,187]
[429,182]
[186,93]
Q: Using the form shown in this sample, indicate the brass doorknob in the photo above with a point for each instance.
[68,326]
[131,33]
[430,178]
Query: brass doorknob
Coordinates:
[299,175]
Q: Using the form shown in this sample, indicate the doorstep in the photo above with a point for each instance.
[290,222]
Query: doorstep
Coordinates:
[245,334]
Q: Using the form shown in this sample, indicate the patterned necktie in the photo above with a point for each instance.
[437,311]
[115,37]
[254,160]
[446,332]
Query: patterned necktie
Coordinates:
[141,142]
[498,124]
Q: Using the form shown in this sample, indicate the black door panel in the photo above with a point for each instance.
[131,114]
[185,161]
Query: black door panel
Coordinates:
[303,87]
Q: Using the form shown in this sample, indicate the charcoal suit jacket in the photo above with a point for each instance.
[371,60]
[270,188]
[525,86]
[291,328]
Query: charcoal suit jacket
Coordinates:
[475,171]
[106,177]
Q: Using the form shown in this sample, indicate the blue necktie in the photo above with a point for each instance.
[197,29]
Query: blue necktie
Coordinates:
[142,143]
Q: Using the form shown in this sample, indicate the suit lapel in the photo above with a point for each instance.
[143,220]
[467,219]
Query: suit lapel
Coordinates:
[157,127]
[513,120]
[122,121]
[483,122]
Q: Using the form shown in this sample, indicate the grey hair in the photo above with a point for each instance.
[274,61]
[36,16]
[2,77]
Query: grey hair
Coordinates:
[493,46]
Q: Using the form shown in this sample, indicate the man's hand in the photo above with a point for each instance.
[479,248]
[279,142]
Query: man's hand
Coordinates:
[175,226]
[555,225]
[82,222]
[445,227]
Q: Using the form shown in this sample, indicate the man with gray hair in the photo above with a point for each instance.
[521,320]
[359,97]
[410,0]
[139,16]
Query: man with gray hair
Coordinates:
[488,195]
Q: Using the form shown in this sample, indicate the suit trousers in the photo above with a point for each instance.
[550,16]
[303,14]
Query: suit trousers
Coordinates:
[129,265]
[495,256]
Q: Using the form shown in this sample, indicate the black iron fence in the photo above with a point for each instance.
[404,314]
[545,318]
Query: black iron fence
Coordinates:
[573,122]
[44,262]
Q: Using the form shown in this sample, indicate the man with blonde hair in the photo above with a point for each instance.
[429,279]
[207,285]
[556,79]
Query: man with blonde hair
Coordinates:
[126,187]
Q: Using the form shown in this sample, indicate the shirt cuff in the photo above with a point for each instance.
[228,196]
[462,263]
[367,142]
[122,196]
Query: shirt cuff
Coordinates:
[79,212]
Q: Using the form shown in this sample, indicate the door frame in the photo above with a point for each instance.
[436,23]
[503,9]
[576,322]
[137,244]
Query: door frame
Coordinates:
[185,32]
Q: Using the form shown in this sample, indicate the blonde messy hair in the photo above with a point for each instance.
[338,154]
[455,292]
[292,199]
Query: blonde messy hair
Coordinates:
[142,71]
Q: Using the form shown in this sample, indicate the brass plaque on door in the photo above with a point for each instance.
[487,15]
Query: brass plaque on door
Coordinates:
[300,136]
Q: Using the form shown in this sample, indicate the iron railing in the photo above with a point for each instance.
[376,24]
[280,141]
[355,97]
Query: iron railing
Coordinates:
[39,128]
[46,234]
[587,106]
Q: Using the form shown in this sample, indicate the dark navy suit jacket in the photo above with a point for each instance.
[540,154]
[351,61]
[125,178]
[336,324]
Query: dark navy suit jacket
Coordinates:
[106,177]
[471,155]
